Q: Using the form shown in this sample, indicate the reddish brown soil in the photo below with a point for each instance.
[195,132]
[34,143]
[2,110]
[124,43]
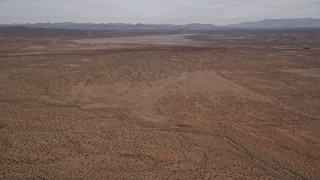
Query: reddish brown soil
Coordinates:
[76,111]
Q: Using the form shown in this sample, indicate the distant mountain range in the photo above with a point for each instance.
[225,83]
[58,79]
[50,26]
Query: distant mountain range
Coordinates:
[118,26]
[279,23]
[264,24]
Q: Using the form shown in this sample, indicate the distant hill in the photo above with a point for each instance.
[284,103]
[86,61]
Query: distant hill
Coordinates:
[118,26]
[279,23]
[264,24]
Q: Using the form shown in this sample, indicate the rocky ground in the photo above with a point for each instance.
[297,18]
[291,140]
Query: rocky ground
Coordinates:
[78,111]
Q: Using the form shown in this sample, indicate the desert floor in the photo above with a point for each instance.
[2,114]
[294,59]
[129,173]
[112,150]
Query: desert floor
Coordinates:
[196,110]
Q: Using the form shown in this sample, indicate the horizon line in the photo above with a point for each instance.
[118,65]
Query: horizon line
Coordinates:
[146,23]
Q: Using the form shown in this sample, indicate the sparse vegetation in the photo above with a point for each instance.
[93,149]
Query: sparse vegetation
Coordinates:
[235,110]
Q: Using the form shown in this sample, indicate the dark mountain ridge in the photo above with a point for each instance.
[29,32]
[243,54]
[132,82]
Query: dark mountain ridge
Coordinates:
[264,24]
[279,23]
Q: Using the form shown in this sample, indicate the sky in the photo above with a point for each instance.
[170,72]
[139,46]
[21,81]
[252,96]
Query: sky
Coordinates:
[218,12]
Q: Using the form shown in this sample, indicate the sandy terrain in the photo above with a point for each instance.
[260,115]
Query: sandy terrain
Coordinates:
[77,111]
[172,39]
[314,72]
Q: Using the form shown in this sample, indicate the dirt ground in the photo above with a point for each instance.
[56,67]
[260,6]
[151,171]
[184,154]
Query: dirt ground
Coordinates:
[171,39]
[99,111]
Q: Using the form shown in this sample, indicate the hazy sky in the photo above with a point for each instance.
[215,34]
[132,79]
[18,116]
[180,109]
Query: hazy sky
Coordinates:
[218,12]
